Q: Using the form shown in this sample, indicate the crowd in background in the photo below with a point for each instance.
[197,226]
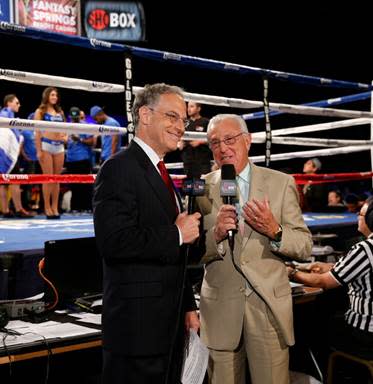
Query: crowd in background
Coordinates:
[46,152]
[55,153]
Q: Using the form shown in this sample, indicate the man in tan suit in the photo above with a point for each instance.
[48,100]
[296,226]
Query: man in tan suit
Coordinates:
[248,317]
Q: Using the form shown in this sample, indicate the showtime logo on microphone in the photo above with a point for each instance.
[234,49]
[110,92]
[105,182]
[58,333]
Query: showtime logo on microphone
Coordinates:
[108,20]
[100,19]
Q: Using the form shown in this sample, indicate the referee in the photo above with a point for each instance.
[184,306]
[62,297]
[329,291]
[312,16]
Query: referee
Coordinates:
[354,334]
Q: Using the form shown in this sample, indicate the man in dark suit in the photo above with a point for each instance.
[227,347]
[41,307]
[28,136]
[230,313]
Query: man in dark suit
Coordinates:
[140,234]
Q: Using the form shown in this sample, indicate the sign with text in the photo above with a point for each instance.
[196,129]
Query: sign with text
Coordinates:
[61,16]
[6,11]
[120,21]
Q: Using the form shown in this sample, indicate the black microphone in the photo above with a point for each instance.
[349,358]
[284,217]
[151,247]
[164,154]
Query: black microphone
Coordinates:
[228,191]
[193,188]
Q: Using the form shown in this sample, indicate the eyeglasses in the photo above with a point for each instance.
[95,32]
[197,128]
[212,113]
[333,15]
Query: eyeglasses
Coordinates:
[173,117]
[214,144]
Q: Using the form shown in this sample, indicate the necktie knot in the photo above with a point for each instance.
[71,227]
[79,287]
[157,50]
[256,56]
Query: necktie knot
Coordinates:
[167,180]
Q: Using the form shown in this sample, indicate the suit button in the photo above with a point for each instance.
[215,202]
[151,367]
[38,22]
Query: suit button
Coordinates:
[242,289]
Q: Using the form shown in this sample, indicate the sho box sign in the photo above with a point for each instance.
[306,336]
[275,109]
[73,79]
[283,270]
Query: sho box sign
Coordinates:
[61,16]
[107,20]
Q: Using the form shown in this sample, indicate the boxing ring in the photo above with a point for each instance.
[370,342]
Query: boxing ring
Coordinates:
[265,112]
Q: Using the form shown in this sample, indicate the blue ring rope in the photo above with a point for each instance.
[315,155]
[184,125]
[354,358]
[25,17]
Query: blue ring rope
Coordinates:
[152,54]
[321,103]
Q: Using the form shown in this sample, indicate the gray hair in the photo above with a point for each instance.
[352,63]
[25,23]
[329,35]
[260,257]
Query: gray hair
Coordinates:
[150,95]
[226,116]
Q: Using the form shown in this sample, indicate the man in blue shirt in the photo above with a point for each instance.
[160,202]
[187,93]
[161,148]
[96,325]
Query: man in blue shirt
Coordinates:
[10,146]
[109,144]
[78,161]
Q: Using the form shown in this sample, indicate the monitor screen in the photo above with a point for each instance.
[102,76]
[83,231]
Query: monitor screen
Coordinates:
[74,267]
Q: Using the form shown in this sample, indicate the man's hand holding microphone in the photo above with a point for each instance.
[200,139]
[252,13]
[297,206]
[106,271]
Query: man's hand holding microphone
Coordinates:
[188,226]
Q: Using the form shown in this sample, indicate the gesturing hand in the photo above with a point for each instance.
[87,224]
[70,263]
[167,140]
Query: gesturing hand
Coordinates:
[258,215]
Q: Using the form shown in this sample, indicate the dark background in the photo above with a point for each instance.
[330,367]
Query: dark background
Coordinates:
[303,38]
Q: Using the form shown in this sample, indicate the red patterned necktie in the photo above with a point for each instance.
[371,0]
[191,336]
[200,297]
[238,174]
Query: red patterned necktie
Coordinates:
[167,180]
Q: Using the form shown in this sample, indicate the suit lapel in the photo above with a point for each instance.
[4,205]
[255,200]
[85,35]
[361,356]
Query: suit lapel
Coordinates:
[153,178]
[257,191]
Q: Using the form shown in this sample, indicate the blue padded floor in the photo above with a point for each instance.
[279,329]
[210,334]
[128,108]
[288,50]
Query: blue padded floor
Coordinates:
[30,234]
[332,220]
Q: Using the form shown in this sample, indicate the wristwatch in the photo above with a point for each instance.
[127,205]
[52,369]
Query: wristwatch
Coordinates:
[292,273]
[278,234]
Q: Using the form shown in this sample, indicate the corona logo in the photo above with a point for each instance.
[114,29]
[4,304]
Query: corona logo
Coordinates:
[100,43]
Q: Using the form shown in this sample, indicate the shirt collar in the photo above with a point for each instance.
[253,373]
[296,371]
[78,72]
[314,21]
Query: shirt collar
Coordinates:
[245,173]
[154,158]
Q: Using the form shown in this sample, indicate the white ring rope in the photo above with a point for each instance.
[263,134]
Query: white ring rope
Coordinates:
[313,153]
[311,142]
[39,125]
[299,154]
[95,86]
[316,127]
[59,81]
[259,137]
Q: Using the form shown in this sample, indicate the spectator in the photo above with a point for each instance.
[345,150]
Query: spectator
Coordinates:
[10,147]
[335,202]
[196,154]
[314,195]
[335,198]
[110,144]
[352,203]
[79,161]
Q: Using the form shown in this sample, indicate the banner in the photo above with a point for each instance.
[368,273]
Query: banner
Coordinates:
[106,20]
[6,10]
[61,16]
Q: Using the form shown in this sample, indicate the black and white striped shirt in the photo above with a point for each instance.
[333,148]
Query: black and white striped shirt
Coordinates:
[356,270]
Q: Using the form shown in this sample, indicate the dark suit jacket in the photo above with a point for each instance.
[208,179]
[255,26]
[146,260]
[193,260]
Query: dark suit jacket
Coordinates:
[143,262]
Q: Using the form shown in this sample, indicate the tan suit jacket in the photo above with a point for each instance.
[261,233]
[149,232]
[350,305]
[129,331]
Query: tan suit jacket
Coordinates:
[224,289]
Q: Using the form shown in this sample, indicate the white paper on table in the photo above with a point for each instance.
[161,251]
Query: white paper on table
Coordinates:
[49,330]
[32,298]
[196,359]
[93,318]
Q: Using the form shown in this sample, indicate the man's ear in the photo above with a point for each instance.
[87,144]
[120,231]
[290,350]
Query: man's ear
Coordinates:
[144,115]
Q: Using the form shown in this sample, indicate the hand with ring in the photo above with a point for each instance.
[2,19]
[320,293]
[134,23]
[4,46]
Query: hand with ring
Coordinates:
[259,216]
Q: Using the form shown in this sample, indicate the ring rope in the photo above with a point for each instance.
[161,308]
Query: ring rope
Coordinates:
[316,127]
[39,125]
[6,178]
[89,179]
[312,153]
[321,103]
[298,154]
[95,86]
[156,55]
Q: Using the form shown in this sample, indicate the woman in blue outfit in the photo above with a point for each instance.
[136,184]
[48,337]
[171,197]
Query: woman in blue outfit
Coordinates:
[50,148]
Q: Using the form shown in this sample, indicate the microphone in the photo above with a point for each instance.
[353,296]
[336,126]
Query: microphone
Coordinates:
[193,188]
[228,191]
